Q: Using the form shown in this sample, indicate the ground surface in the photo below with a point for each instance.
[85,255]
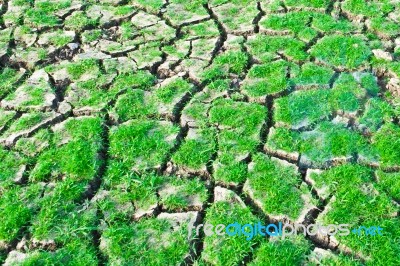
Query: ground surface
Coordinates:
[121,122]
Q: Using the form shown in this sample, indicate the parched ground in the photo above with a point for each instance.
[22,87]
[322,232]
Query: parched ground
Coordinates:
[123,121]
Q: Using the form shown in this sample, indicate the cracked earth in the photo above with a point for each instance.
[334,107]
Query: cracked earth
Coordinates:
[123,121]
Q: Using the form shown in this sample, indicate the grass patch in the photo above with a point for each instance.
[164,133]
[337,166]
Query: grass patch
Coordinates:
[266,79]
[266,48]
[26,121]
[196,152]
[133,105]
[390,182]
[144,144]
[78,158]
[16,209]
[341,51]
[377,112]
[149,241]
[329,141]
[229,114]
[289,251]
[302,108]
[387,144]
[230,62]
[218,250]
[8,78]
[281,198]
[79,21]
[313,75]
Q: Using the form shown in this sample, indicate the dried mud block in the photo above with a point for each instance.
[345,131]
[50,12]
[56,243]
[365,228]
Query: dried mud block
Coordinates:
[27,125]
[35,94]
[15,257]
[237,18]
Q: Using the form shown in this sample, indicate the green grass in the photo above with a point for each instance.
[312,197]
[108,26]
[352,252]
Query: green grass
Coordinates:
[385,27]
[231,62]
[34,145]
[302,108]
[182,11]
[376,113]
[26,121]
[390,182]
[234,147]
[5,117]
[295,22]
[228,171]
[218,250]
[282,138]
[265,48]
[89,94]
[147,242]
[197,111]
[173,90]
[371,9]
[140,80]
[358,202]
[237,16]
[91,35]
[205,30]
[17,205]
[35,95]
[227,113]
[266,79]
[60,40]
[8,78]
[312,3]
[151,5]
[11,163]
[330,140]
[346,94]
[386,142]
[196,152]
[238,136]
[134,104]
[146,55]
[328,24]
[248,82]
[79,21]
[341,51]
[128,192]
[77,159]
[313,75]
[73,253]
[76,70]
[281,198]
[143,143]
[342,178]
[290,251]
[60,218]
[90,88]
[43,14]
